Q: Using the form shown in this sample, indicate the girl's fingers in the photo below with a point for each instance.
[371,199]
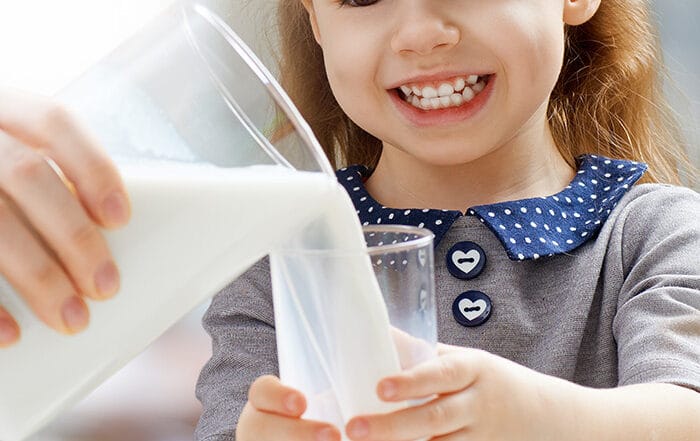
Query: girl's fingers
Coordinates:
[9,330]
[268,394]
[58,218]
[460,435]
[256,425]
[448,373]
[48,127]
[441,416]
[37,277]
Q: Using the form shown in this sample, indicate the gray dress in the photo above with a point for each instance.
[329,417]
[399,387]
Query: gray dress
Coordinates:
[618,305]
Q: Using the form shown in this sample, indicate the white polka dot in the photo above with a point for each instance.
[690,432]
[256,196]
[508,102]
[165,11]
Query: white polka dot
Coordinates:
[625,186]
[358,211]
[538,210]
[380,244]
[563,214]
[621,166]
[356,189]
[502,227]
[607,175]
[591,210]
[394,242]
[379,221]
[568,199]
[363,198]
[606,189]
[569,241]
[597,222]
[607,161]
[518,226]
[371,209]
[558,230]
[594,182]
[551,212]
[528,240]
[491,214]
[344,169]
[580,172]
[581,184]
[523,209]
[572,228]
[350,178]
[576,214]
[535,256]
[594,167]
[620,179]
[593,196]
[546,227]
[533,225]
[426,210]
[542,240]
[481,219]
[392,262]
[379,261]
[521,257]
[555,243]
[555,198]
[512,240]
[438,222]
[584,234]
[404,262]
[633,169]
[407,212]
[391,216]
[421,225]
[580,199]
[507,211]
[587,222]
[365,224]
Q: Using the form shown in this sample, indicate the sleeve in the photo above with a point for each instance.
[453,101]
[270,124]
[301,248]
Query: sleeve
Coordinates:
[240,321]
[657,325]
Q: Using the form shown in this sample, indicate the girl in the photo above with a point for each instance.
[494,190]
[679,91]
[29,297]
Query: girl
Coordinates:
[578,315]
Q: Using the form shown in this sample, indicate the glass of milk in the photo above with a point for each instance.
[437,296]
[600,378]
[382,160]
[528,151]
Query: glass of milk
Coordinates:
[324,324]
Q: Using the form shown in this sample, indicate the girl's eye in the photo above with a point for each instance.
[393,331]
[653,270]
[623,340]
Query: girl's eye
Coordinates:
[357,2]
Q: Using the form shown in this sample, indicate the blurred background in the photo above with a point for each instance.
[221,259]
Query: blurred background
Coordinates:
[44,44]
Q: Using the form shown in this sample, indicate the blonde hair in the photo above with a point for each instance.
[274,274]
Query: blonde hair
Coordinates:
[609,98]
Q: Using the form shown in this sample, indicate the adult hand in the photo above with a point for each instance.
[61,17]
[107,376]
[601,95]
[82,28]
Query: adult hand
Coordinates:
[51,248]
[475,396]
[273,412]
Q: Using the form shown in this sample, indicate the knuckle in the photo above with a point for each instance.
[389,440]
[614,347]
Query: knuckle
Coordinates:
[84,236]
[449,371]
[55,118]
[25,165]
[437,416]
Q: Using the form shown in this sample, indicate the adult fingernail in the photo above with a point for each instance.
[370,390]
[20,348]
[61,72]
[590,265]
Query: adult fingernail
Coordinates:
[327,434]
[388,389]
[115,208]
[293,403]
[9,333]
[107,279]
[358,429]
[75,314]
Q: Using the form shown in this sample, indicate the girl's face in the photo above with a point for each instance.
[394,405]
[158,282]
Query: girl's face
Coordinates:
[445,81]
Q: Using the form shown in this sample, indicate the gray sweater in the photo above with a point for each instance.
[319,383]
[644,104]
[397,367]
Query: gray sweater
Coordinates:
[622,308]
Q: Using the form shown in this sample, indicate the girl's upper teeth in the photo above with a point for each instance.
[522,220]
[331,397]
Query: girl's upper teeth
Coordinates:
[444,88]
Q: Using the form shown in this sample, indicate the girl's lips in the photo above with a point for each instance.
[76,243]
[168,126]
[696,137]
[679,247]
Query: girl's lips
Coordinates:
[451,115]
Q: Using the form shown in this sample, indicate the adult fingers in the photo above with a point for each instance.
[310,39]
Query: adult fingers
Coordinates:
[268,394]
[9,330]
[58,217]
[441,416]
[51,129]
[445,374]
[37,277]
[257,425]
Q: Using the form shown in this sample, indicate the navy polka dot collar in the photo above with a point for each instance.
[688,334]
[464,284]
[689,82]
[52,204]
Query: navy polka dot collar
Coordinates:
[527,228]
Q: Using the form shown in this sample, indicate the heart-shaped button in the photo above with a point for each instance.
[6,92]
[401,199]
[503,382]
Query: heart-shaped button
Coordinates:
[466,260]
[472,308]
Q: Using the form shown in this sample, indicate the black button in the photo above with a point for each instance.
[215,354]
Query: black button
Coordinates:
[472,308]
[466,260]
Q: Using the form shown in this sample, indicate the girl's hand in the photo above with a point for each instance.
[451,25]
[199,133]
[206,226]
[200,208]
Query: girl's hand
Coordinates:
[475,396]
[273,413]
[51,250]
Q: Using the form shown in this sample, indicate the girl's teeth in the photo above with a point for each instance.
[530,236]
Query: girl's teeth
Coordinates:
[429,92]
[447,95]
[445,90]
[468,94]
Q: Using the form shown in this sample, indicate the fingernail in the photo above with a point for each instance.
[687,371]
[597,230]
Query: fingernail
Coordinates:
[293,403]
[326,434]
[75,314]
[114,208]
[107,279]
[388,389]
[9,333]
[358,429]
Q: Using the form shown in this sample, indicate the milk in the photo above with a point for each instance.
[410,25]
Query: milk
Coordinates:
[194,228]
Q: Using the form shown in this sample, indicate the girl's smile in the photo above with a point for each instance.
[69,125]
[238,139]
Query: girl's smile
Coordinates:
[443,102]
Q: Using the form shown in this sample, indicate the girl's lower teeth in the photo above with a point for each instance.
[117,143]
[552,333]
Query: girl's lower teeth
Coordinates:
[445,102]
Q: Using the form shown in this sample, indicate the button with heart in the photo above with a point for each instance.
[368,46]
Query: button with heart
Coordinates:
[466,260]
[472,308]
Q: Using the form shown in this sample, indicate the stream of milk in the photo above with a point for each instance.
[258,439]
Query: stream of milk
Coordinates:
[194,229]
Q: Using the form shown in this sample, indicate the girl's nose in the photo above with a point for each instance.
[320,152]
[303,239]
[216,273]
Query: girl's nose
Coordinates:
[422,27]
